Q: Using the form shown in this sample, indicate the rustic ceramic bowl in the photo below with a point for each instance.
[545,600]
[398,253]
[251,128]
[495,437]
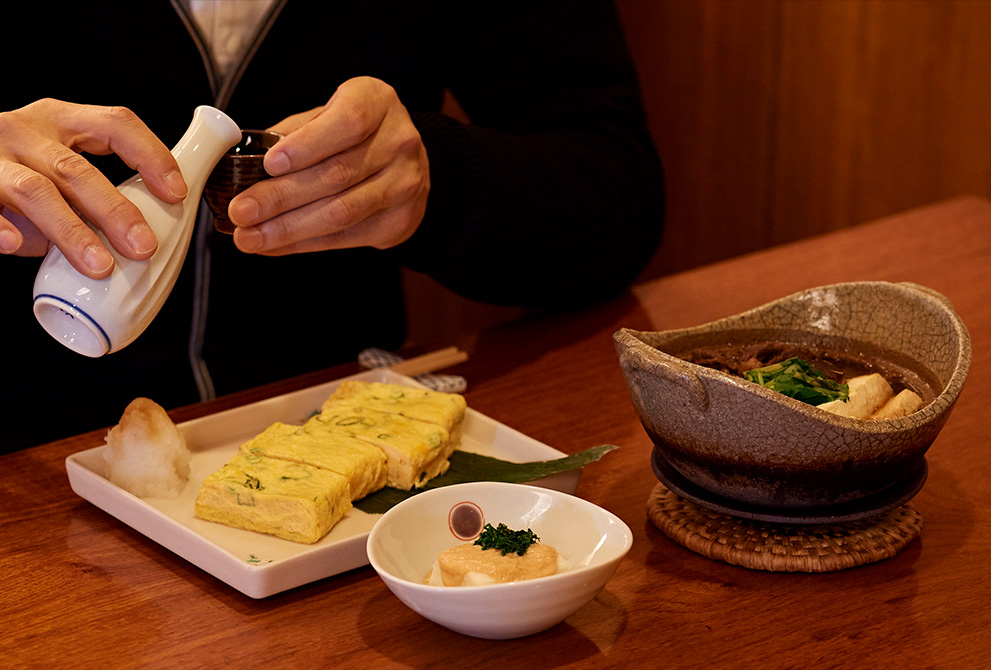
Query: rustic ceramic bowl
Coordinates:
[740,448]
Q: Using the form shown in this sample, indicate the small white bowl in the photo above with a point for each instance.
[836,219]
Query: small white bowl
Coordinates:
[405,542]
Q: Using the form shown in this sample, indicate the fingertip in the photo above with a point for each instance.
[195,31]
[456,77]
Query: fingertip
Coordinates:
[276,162]
[244,210]
[10,241]
[248,240]
[142,240]
[98,260]
[176,184]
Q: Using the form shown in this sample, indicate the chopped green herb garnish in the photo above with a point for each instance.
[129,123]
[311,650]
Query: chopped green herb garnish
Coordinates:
[797,379]
[507,541]
[253,483]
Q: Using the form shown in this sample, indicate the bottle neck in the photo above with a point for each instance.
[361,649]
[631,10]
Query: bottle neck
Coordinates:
[207,139]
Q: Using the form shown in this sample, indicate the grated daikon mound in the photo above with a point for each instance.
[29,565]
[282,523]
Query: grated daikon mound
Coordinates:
[146,454]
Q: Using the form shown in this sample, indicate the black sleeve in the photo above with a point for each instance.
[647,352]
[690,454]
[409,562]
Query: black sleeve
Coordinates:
[552,196]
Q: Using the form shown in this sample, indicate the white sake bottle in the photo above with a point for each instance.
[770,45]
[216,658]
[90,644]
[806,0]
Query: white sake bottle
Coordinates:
[94,317]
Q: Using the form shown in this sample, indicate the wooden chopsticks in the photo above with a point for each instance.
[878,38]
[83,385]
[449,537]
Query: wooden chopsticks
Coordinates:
[435,360]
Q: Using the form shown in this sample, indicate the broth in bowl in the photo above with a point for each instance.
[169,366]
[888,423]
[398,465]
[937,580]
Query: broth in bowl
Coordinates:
[837,359]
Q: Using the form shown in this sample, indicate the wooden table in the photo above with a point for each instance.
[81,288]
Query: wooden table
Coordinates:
[82,590]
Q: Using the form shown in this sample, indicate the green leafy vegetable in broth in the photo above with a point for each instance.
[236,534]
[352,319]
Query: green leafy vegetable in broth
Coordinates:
[796,378]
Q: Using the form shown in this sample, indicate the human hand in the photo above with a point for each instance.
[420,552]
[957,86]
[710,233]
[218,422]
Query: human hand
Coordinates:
[47,187]
[351,173]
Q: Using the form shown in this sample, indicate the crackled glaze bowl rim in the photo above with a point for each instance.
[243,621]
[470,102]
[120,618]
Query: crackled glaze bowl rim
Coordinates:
[632,339]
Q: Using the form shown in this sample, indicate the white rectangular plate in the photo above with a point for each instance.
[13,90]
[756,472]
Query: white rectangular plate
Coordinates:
[261,565]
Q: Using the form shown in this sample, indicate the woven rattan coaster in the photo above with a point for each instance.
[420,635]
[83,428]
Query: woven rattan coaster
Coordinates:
[782,548]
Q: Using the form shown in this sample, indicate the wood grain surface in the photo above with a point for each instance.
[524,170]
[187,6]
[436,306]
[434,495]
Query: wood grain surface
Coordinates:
[82,590]
[780,119]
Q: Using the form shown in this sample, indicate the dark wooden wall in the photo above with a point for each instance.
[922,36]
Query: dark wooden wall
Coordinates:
[783,119]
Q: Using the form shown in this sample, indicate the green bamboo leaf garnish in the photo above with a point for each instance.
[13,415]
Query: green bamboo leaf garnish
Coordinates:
[796,378]
[469,467]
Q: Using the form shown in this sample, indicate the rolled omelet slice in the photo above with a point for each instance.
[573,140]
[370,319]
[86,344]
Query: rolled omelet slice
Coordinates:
[415,451]
[290,500]
[363,464]
[868,393]
[443,409]
[903,404]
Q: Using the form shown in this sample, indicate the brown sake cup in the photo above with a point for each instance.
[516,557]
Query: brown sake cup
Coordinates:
[237,170]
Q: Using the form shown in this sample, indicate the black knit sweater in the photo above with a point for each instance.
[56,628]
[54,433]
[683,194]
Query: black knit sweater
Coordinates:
[550,197]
